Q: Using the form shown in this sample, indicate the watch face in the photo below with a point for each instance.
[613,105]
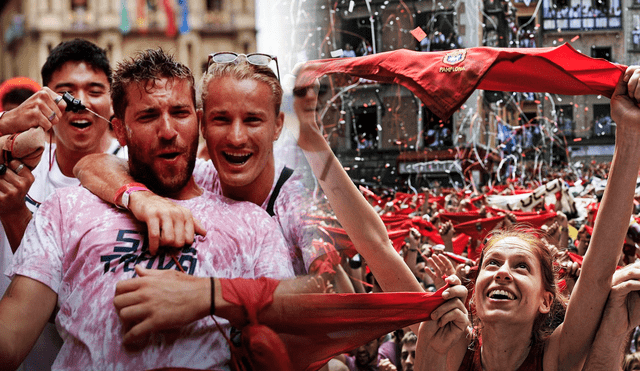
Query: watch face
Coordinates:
[125,198]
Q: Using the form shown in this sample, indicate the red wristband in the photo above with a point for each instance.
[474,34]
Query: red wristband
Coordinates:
[123,189]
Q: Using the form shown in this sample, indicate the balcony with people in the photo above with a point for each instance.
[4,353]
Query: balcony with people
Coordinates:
[582,15]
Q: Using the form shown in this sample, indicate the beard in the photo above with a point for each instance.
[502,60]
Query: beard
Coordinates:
[165,181]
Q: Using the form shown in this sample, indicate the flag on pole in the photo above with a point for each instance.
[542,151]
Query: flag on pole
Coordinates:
[184,26]
[125,25]
[171,30]
[141,16]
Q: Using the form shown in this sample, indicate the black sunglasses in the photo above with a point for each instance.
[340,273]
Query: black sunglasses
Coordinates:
[258,59]
[302,91]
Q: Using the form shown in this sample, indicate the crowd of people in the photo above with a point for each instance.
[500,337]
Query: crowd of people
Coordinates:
[166,260]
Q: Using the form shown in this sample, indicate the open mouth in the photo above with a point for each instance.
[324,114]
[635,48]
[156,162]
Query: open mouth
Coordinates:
[80,124]
[237,158]
[501,295]
[169,155]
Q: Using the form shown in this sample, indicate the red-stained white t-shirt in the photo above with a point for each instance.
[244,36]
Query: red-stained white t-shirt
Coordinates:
[290,206]
[81,247]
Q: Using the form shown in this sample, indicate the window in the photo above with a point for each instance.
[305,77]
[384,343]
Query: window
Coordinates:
[356,38]
[602,123]
[600,7]
[440,30]
[436,133]
[365,123]
[565,120]
[78,4]
[603,52]
[214,5]
[635,33]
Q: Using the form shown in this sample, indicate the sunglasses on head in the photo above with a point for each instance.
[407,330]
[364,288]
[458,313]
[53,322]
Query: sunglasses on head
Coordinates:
[258,59]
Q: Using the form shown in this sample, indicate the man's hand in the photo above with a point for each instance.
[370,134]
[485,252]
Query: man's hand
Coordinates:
[168,224]
[305,105]
[386,365]
[562,220]
[38,110]
[14,214]
[442,267]
[14,185]
[160,300]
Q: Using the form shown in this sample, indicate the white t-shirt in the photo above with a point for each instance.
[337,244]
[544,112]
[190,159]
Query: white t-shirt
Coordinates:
[48,178]
[80,247]
[290,204]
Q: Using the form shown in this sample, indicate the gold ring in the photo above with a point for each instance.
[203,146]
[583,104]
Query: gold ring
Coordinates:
[52,116]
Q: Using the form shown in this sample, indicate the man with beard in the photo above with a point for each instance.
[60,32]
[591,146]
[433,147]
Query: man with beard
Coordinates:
[241,120]
[77,248]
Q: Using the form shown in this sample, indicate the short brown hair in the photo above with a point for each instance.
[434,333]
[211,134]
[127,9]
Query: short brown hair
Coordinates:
[409,338]
[148,65]
[243,70]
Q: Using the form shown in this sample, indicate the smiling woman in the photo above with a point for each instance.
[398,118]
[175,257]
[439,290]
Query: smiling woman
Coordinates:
[516,272]
[515,296]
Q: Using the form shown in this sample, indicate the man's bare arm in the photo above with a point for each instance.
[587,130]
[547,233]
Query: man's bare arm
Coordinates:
[25,309]
[165,299]
[168,224]
[103,175]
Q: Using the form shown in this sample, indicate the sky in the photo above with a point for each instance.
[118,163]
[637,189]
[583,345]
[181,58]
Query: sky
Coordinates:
[272,37]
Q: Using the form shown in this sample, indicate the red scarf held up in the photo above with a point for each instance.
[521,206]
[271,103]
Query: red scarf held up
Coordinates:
[445,80]
[316,327]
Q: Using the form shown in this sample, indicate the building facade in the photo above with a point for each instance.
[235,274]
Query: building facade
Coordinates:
[190,29]
[378,130]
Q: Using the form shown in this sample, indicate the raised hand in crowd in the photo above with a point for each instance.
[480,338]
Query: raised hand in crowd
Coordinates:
[569,271]
[447,231]
[552,234]
[509,220]
[563,222]
[386,365]
[441,267]
[362,224]
[411,250]
[584,238]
